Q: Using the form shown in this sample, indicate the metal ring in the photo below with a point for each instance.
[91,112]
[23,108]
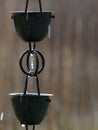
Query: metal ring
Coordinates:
[37,69]
[43,62]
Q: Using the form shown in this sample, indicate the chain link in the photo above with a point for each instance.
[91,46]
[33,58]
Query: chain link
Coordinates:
[32,69]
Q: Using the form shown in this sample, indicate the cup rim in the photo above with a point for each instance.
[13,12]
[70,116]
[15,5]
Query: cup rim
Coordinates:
[21,11]
[32,94]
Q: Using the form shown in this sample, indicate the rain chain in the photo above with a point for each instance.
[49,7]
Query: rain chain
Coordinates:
[31,27]
[32,54]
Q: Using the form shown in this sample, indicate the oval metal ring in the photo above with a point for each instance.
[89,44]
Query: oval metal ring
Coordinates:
[37,69]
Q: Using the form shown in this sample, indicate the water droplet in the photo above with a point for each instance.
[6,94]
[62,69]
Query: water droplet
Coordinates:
[31,62]
[49,28]
[1,116]
[23,125]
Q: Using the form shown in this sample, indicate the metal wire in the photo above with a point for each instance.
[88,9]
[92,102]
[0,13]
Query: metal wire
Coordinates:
[27,2]
[26,85]
[40,6]
[26,126]
[37,69]
[33,127]
[37,83]
[30,47]
[34,45]
[26,7]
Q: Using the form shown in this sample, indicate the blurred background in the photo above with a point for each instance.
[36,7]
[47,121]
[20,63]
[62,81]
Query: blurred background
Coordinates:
[71,71]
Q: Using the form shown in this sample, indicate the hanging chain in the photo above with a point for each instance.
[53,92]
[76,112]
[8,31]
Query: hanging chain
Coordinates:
[33,57]
[27,2]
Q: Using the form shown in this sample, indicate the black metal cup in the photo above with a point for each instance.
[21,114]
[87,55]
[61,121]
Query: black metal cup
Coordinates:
[32,26]
[30,109]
